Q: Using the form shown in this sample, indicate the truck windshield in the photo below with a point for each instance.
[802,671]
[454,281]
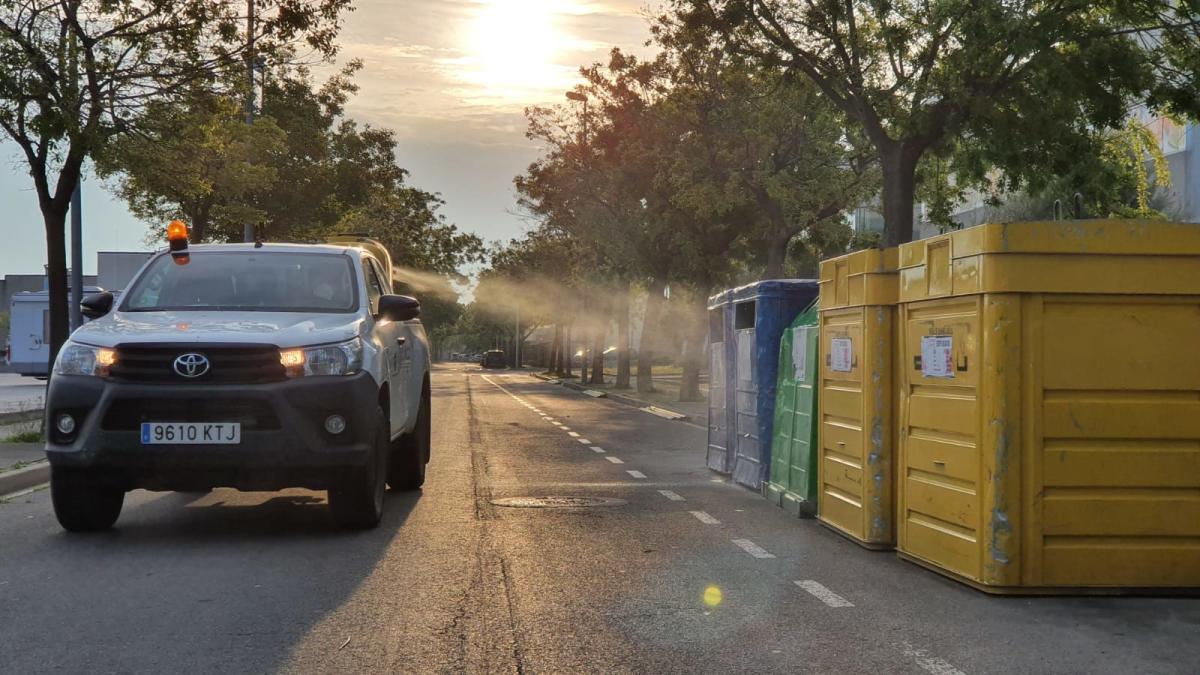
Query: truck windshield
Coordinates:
[246,281]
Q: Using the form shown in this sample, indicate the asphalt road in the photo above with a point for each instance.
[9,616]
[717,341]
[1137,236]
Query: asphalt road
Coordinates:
[262,582]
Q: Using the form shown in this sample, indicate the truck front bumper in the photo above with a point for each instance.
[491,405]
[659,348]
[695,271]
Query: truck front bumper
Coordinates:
[283,440]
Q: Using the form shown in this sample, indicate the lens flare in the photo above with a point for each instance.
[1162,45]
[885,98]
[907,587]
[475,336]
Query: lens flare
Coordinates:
[712,596]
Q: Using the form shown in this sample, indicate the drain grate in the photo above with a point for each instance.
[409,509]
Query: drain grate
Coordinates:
[557,502]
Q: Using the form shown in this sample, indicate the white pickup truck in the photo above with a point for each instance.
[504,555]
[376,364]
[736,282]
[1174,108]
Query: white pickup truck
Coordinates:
[252,366]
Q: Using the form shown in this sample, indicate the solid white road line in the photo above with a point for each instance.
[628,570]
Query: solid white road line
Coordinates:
[635,474]
[705,518]
[671,495]
[596,448]
[752,548]
[614,460]
[930,664]
[584,441]
[573,434]
[823,594]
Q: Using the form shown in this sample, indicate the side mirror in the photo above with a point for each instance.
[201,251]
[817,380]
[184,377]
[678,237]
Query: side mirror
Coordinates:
[96,305]
[399,307]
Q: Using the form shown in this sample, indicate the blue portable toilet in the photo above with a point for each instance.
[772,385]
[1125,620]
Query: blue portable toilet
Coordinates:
[761,312]
[720,383]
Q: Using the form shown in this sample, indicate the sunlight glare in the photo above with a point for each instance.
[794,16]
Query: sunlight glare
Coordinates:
[513,46]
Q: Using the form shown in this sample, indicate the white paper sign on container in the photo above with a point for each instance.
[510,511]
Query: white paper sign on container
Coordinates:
[800,352]
[937,358]
[841,355]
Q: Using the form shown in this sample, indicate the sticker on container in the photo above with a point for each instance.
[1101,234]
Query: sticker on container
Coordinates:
[745,354]
[937,359]
[841,355]
[800,352]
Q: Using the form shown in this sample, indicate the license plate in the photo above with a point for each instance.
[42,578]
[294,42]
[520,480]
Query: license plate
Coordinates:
[191,433]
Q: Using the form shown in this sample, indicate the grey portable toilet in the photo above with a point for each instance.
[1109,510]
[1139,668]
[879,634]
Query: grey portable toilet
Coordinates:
[720,383]
[761,312]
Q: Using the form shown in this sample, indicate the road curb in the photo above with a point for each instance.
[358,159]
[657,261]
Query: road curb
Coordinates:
[21,416]
[619,398]
[24,478]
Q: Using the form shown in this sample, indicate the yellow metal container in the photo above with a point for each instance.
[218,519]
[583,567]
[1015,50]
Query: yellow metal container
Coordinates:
[1049,423]
[857,397]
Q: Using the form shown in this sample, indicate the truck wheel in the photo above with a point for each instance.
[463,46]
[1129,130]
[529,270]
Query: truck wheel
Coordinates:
[410,453]
[358,503]
[82,505]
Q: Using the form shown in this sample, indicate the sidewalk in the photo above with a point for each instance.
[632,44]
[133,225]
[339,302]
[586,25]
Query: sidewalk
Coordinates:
[22,466]
[666,394]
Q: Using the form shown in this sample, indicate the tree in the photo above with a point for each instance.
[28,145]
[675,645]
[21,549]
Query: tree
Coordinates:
[197,161]
[424,247]
[535,277]
[75,73]
[1009,77]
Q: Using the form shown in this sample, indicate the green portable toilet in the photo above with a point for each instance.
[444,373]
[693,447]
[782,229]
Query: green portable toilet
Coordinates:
[793,480]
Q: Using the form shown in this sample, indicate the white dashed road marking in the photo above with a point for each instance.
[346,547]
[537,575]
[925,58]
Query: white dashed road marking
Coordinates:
[614,460]
[596,448]
[823,594]
[671,495]
[930,664]
[752,548]
[584,441]
[705,518]
[635,474]
[573,434]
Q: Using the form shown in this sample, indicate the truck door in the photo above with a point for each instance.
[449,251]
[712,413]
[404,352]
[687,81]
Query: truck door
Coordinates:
[391,344]
[406,385]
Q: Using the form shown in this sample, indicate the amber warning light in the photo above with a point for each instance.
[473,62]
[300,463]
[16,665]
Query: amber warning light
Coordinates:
[177,240]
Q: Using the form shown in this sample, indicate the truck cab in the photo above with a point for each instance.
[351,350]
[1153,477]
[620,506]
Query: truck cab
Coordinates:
[251,366]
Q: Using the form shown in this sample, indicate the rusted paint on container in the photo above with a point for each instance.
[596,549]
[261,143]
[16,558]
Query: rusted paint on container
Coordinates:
[1055,447]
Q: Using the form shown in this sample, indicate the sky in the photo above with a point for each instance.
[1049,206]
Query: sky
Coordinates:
[450,77]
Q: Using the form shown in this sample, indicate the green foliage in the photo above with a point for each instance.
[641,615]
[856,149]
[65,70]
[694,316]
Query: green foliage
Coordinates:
[74,75]
[1016,85]
[31,436]
[197,161]
[406,221]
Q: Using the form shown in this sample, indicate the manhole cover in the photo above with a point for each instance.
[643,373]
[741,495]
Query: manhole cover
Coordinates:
[556,502]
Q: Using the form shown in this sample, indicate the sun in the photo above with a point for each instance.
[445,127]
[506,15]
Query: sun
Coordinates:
[513,46]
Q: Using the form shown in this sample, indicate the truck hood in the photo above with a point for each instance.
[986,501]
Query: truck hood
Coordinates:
[282,329]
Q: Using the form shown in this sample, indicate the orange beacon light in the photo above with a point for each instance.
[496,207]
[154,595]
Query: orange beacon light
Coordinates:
[177,240]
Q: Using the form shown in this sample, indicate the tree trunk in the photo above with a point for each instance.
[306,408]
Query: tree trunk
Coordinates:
[646,346]
[555,365]
[568,354]
[54,217]
[623,341]
[198,228]
[598,354]
[776,254]
[693,355]
[899,163]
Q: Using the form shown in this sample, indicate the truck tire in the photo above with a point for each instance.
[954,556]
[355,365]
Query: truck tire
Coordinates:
[82,505]
[358,503]
[410,452]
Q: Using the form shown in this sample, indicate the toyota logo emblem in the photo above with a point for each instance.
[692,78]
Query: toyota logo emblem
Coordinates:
[191,364]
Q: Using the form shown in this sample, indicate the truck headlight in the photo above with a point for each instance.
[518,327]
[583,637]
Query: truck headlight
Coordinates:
[344,358]
[80,359]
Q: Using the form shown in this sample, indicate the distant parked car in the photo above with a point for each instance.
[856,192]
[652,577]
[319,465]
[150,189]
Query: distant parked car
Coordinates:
[493,359]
